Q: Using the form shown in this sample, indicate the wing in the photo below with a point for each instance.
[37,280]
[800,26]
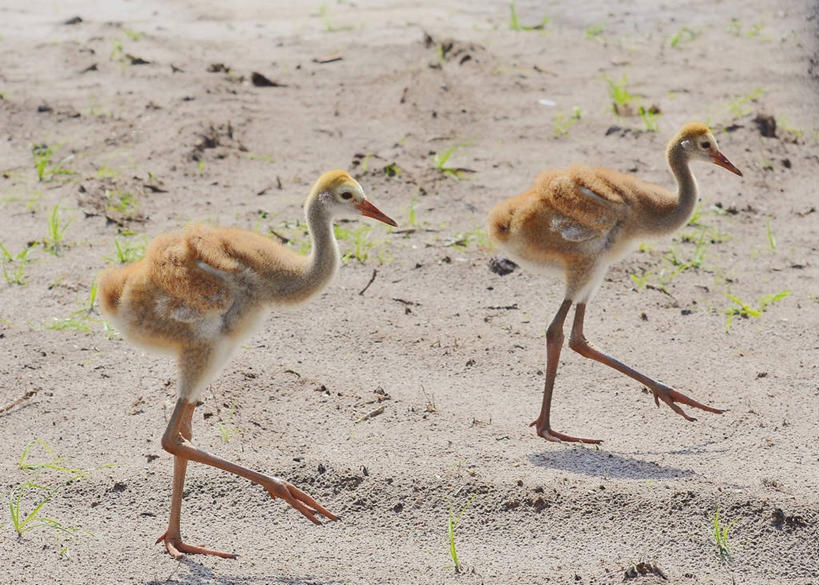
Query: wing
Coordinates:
[583,206]
[177,267]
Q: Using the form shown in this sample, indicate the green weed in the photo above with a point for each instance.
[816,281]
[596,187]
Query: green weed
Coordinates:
[440,159]
[412,219]
[14,275]
[118,53]
[226,429]
[262,157]
[694,220]
[477,236]
[104,172]
[563,123]
[720,533]
[783,123]
[514,23]
[82,319]
[293,234]
[132,34]
[736,29]
[69,324]
[88,306]
[619,94]
[392,170]
[745,310]
[359,245]
[593,32]
[678,263]
[755,30]
[739,107]
[452,525]
[23,522]
[44,167]
[649,117]
[34,496]
[771,238]
[53,242]
[53,463]
[122,202]
[641,280]
[128,249]
[767,300]
[683,35]
[697,257]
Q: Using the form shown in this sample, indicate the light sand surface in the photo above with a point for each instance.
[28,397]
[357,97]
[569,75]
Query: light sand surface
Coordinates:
[453,352]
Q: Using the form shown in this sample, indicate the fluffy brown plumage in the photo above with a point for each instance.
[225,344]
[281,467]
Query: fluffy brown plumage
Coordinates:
[581,220]
[200,291]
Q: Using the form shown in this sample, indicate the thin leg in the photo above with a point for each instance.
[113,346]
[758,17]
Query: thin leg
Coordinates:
[554,342]
[577,341]
[176,441]
[173,535]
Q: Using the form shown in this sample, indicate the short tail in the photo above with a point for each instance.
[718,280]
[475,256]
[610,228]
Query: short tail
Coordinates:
[500,220]
[111,283]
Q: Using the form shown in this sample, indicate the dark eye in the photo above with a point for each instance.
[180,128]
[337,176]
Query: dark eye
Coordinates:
[346,195]
[705,144]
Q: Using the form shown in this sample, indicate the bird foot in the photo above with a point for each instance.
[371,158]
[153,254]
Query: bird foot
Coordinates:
[671,397]
[177,549]
[543,430]
[298,499]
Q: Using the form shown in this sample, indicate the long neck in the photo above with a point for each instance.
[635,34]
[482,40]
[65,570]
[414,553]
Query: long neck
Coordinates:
[322,263]
[679,210]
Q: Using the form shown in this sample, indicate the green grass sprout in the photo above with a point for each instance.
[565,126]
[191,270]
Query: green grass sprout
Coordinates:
[746,310]
[25,522]
[771,238]
[452,525]
[720,532]
[593,32]
[440,160]
[619,94]
[683,35]
[15,273]
[226,429]
[563,123]
[128,249]
[43,156]
[53,242]
[649,117]
[514,23]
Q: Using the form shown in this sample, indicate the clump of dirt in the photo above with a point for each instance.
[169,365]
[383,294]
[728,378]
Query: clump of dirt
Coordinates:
[216,141]
[642,569]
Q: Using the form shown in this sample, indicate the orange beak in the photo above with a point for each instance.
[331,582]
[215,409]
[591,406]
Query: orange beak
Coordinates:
[719,159]
[369,210]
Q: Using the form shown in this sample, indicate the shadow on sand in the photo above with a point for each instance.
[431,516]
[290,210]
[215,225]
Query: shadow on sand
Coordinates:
[599,463]
[199,574]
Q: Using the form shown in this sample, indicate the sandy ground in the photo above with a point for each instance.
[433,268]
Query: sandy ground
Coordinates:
[153,121]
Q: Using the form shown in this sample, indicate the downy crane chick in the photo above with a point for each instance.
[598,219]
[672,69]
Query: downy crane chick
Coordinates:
[199,292]
[580,221]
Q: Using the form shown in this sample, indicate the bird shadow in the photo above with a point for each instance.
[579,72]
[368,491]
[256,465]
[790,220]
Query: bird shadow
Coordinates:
[709,447]
[595,462]
[198,574]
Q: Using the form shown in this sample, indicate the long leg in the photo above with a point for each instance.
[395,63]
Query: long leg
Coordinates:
[554,342]
[578,342]
[196,366]
[173,535]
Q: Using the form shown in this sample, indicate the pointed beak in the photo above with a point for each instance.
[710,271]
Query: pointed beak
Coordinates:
[719,159]
[368,209]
